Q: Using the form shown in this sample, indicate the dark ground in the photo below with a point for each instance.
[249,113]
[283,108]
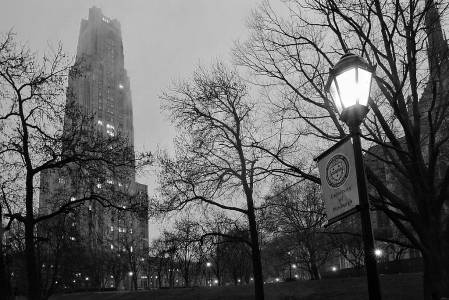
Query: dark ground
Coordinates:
[394,287]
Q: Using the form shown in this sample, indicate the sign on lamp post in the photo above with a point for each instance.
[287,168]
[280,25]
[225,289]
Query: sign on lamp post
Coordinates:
[339,180]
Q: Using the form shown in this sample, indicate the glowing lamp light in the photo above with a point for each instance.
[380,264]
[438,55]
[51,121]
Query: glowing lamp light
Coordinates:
[378,252]
[349,86]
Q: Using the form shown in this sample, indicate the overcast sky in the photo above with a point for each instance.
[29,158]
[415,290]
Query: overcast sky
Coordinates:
[162,39]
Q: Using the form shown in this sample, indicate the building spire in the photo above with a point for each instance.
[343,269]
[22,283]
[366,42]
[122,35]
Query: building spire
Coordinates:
[437,48]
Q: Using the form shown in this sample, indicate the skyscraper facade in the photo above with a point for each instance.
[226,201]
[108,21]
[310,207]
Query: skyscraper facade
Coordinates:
[104,88]
[101,88]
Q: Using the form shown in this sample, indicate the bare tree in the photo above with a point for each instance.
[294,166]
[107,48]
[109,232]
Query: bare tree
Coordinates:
[215,166]
[347,240]
[295,211]
[45,135]
[406,131]
[189,253]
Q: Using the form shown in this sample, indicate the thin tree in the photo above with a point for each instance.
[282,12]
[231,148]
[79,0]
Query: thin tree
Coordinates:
[295,211]
[215,166]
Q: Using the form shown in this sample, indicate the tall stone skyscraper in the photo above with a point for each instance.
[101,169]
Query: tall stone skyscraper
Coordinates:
[116,240]
[104,88]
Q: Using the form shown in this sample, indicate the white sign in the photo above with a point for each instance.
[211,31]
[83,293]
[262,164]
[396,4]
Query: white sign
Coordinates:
[339,180]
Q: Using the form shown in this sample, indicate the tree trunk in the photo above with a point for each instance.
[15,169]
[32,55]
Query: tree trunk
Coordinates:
[5,287]
[134,281]
[398,265]
[436,271]
[116,282]
[257,261]
[33,278]
[315,271]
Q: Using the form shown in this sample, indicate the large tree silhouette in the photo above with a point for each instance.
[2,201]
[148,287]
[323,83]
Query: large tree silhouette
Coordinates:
[41,135]
[406,134]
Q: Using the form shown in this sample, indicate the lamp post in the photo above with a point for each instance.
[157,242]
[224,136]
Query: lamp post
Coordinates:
[349,86]
[208,264]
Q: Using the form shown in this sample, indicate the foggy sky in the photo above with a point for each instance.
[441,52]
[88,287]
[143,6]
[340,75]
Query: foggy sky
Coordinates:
[163,40]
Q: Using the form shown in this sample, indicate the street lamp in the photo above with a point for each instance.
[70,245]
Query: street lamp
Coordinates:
[208,264]
[349,86]
[378,252]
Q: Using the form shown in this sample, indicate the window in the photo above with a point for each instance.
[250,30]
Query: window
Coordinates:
[72,198]
[110,128]
[112,228]
[100,122]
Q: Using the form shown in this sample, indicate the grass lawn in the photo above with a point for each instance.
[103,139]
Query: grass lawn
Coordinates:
[394,287]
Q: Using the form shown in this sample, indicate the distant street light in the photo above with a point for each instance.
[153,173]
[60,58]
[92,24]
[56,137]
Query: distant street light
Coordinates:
[378,252]
[334,269]
[349,86]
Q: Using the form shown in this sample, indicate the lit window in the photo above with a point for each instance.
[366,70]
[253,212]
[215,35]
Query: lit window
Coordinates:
[131,249]
[90,207]
[72,238]
[99,185]
[110,181]
[112,247]
[120,86]
[112,228]
[72,199]
[100,122]
[110,132]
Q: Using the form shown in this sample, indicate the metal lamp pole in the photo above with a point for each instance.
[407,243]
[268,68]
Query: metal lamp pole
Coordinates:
[349,85]
[365,217]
